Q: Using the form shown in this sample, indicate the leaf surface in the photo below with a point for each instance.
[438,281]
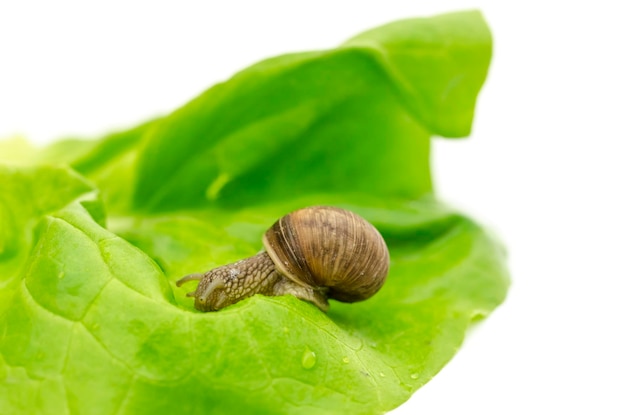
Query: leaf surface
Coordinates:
[93,235]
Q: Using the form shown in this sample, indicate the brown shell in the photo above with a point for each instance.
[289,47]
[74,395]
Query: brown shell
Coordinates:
[330,249]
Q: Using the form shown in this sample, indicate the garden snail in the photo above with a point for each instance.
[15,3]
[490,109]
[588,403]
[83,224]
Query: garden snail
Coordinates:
[313,253]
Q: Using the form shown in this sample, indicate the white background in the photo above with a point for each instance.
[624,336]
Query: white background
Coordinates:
[544,166]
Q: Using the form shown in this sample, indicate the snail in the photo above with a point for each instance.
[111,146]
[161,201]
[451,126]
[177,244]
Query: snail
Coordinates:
[314,253]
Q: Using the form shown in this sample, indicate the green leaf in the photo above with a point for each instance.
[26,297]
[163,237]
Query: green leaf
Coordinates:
[91,321]
[263,355]
[314,122]
[109,162]
[25,195]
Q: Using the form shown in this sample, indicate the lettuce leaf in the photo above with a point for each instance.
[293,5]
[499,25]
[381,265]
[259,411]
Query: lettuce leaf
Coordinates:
[361,109]
[93,235]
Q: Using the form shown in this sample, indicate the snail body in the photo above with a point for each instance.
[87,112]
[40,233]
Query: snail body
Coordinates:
[313,253]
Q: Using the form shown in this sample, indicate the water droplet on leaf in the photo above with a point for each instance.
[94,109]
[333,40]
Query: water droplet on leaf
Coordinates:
[308,358]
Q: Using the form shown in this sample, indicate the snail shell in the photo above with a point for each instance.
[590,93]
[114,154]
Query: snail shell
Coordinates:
[329,249]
